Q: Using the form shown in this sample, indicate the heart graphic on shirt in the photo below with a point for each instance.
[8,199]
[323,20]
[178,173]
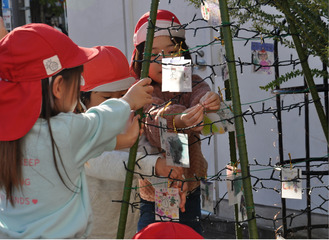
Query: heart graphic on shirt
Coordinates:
[35,201]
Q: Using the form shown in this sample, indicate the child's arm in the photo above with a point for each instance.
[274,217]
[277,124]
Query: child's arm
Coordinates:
[194,115]
[109,166]
[139,94]
[151,129]
[130,134]
[162,169]
[190,117]
[210,101]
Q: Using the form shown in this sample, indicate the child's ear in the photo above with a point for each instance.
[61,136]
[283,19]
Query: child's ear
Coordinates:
[58,86]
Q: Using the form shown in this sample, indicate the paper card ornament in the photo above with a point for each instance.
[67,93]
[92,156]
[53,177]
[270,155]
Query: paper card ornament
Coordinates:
[210,12]
[291,185]
[220,122]
[207,203]
[242,213]
[167,204]
[262,57]
[223,63]
[163,130]
[176,74]
[234,184]
[177,150]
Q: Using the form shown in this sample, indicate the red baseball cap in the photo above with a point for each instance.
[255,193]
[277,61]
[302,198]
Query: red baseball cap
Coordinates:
[29,54]
[165,19]
[108,72]
[167,230]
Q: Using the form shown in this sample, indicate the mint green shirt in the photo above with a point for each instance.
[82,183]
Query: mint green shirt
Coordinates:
[46,208]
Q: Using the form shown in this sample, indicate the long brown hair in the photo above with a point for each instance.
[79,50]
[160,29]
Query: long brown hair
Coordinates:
[11,174]
[137,64]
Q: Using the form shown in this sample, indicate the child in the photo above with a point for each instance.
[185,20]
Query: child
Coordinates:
[192,105]
[43,145]
[107,76]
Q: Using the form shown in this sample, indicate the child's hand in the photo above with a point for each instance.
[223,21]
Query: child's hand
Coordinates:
[3,30]
[210,101]
[191,116]
[162,169]
[139,94]
[130,134]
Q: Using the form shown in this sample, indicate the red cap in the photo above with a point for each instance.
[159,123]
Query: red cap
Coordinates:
[167,230]
[108,72]
[27,55]
[164,19]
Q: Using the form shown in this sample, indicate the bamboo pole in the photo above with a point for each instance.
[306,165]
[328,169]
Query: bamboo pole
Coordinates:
[239,128]
[133,149]
[231,138]
[285,8]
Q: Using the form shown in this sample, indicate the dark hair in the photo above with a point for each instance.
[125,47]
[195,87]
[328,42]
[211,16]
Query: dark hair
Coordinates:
[84,99]
[11,174]
[137,64]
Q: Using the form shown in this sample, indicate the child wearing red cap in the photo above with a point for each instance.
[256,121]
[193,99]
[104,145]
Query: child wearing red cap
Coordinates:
[185,110]
[43,144]
[107,76]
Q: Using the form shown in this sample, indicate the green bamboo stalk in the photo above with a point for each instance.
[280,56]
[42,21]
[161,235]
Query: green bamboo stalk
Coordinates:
[239,128]
[133,149]
[231,138]
[285,8]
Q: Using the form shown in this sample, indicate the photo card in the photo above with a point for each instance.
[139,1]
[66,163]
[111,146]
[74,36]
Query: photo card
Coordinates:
[177,153]
[262,57]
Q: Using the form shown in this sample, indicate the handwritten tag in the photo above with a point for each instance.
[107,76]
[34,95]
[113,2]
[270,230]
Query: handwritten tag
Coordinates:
[207,193]
[291,185]
[166,204]
[242,214]
[176,75]
[234,184]
[210,12]
[220,122]
[163,130]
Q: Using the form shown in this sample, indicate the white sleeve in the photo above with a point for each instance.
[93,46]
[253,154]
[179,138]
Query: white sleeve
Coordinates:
[110,165]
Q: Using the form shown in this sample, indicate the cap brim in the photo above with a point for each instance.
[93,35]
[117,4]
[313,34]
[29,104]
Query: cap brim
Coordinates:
[20,103]
[83,56]
[119,85]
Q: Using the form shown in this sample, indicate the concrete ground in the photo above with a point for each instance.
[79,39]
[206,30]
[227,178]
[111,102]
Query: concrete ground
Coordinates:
[221,226]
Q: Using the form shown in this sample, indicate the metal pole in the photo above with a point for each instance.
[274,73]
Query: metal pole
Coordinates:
[307,157]
[133,149]
[239,128]
[279,123]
